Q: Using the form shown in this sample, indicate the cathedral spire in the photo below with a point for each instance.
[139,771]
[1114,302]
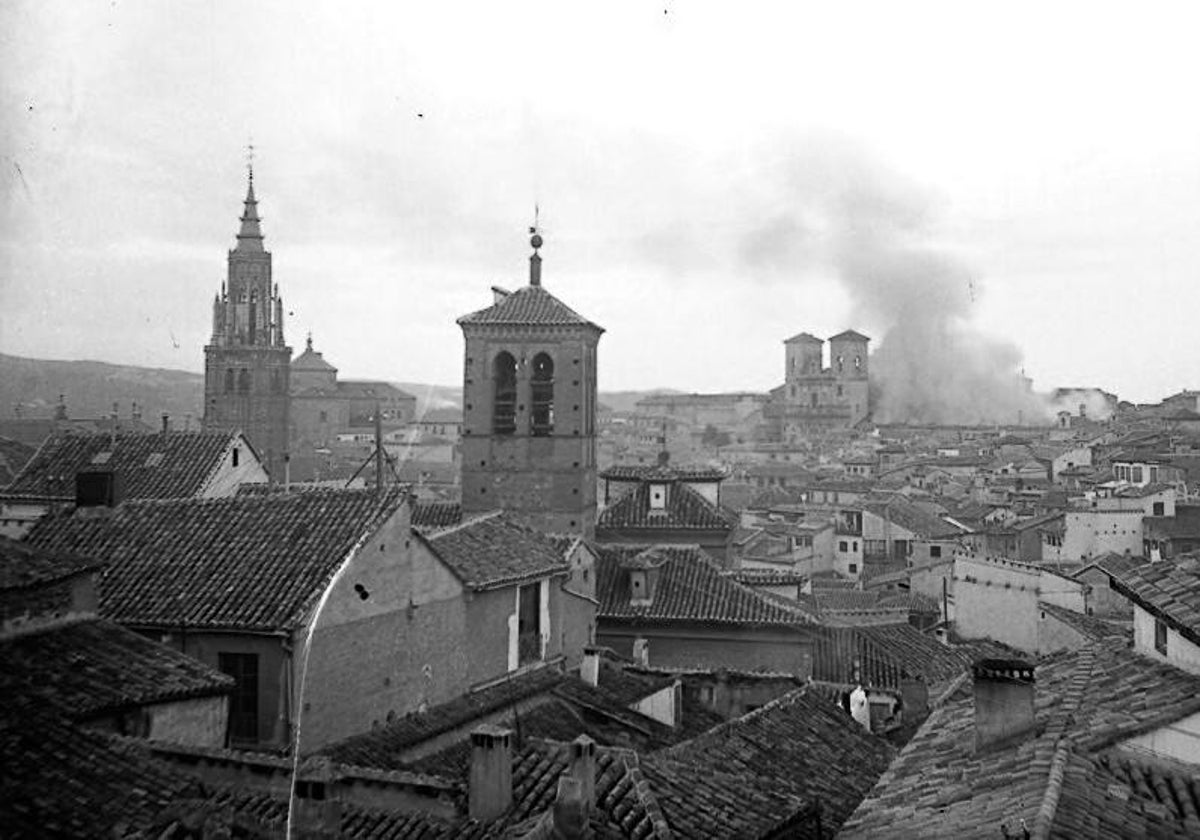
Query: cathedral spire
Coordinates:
[250,236]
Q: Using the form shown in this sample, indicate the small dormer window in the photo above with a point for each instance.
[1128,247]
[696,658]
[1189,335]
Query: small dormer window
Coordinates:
[658,497]
[639,588]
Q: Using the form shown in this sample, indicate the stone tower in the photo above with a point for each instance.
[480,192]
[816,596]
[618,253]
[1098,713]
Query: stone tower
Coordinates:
[848,361]
[529,408]
[247,363]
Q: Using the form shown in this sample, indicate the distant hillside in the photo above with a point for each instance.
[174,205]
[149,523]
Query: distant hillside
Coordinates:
[91,388]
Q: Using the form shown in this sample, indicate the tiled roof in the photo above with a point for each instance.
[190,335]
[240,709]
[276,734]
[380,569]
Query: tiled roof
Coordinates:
[530,305]
[1130,798]
[766,577]
[365,390]
[1085,702]
[842,600]
[23,565]
[885,655]
[93,667]
[663,472]
[1113,563]
[188,460]
[59,780]
[911,517]
[801,741]
[248,562]
[436,513]
[690,587]
[311,359]
[1169,589]
[684,508]
[850,334]
[1091,627]
[13,456]
[495,550]
[804,337]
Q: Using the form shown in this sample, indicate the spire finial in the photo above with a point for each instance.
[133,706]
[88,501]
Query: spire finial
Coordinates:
[250,159]
[308,341]
[535,261]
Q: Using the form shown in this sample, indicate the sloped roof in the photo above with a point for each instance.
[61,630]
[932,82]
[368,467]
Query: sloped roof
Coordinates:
[436,513]
[495,550]
[311,360]
[1169,589]
[1085,702]
[685,508]
[23,565]
[93,667]
[253,563]
[808,745]
[663,472]
[881,656]
[1090,626]
[850,335]
[528,306]
[690,587]
[188,460]
[368,390]
[805,338]
[913,518]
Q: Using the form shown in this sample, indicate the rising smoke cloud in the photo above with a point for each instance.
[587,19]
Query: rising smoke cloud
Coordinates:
[876,233]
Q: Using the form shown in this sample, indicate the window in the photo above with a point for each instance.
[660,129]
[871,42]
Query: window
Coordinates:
[244,381]
[843,545]
[243,705]
[1154,475]
[852,568]
[1160,636]
[237,455]
[229,380]
[658,497]
[542,396]
[841,363]
[935,551]
[1159,509]
[1137,475]
[504,391]
[529,630]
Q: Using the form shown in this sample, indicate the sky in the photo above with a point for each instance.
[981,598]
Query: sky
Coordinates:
[707,178]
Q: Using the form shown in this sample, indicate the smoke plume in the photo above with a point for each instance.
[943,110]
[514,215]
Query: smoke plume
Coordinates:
[930,364]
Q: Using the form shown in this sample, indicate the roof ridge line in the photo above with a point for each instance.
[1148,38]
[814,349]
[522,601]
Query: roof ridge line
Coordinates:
[483,517]
[645,794]
[1081,675]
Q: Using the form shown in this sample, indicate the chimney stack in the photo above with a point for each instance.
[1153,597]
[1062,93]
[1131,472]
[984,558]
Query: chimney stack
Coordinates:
[490,793]
[583,768]
[589,669]
[166,423]
[641,651]
[1004,690]
[318,810]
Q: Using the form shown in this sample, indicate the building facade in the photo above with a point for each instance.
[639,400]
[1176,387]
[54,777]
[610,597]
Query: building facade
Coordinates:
[529,413]
[247,364]
[815,397]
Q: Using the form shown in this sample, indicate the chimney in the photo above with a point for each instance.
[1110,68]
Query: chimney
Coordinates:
[318,811]
[166,423]
[490,793]
[589,669]
[569,813]
[641,652]
[60,410]
[136,414]
[583,768]
[1004,691]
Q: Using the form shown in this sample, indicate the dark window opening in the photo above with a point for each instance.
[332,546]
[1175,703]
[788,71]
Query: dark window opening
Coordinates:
[243,704]
[237,454]
[276,382]
[1160,636]
[1159,509]
[229,380]
[504,391]
[529,629]
[543,395]
[244,381]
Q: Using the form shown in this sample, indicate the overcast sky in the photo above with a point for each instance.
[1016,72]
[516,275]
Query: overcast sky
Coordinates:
[683,156]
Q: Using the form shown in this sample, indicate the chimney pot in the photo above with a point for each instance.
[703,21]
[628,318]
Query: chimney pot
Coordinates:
[1004,694]
[166,422]
[490,792]
[589,669]
[641,651]
[583,768]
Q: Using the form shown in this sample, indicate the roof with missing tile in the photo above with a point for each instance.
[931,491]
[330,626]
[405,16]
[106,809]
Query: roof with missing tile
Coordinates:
[1086,702]
[690,587]
[151,465]
[93,667]
[1168,589]
[684,508]
[495,550]
[254,563]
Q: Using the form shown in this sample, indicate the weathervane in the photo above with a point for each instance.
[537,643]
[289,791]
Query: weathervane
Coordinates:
[250,158]
[536,239]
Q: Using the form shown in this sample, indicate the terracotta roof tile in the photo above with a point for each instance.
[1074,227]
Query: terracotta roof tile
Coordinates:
[496,550]
[188,460]
[684,508]
[690,587]
[1169,589]
[247,562]
[531,305]
[93,667]
[663,472]
[437,513]
[23,565]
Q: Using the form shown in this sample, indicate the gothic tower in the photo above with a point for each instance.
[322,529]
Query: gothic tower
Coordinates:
[247,363]
[529,408]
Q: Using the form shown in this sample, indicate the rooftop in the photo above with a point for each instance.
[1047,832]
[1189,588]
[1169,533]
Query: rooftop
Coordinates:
[152,465]
[684,508]
[1169,589]
[528,306]
[496,550]
[23,565]
[248,562]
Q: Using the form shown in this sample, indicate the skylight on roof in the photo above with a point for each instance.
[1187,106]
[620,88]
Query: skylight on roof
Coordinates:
[101,458]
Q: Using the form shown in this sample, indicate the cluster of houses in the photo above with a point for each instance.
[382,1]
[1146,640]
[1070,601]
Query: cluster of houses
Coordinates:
[913,632]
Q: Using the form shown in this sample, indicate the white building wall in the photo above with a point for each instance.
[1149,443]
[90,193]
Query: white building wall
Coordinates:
[1181,652]
[1090,533]
[1179,741]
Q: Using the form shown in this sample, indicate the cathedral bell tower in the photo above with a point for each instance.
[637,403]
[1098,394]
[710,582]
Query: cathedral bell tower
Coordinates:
[247,363]
[529,408]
